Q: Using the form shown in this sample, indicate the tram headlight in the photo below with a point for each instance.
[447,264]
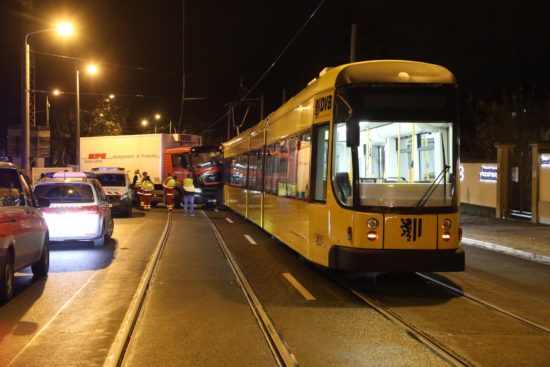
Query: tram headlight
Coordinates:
[446,236]
[447,224]
[372,223]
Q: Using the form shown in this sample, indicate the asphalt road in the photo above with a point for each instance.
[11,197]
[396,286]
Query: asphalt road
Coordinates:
[196,314]
[71,317]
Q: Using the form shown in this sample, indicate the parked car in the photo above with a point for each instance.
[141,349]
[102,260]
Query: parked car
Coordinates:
[117,187]
[23,230]
[78,211]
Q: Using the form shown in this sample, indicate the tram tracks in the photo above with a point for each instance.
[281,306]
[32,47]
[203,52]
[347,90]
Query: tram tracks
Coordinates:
[278,346]
[445,352]
[438,348]
[458,292]
[118,349]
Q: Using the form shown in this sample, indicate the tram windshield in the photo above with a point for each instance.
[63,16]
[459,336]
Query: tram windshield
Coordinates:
[402,157]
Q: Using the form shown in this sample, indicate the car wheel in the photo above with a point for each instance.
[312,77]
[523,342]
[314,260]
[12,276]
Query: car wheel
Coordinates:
[111,229]
[6,279]
[40,269]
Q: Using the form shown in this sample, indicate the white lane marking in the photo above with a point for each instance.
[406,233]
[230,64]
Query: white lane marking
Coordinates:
[250,239]
[300,288]
[39,332]
[229,220]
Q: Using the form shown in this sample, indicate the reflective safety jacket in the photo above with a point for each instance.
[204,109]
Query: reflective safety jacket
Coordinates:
[147,185]
[170,182]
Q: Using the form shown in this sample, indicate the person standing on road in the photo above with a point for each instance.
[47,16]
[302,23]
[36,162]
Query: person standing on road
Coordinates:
[169,185]
[188,195]
[146,188]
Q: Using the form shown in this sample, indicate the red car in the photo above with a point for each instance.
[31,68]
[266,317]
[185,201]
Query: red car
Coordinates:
[23,230]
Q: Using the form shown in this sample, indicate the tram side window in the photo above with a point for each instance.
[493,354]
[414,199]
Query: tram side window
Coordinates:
[282,165]
[242,168]
[252,163]
[342,173]
[255,170]
[303,166]
[227,170]
[269,168]
[292,166]
[320,148]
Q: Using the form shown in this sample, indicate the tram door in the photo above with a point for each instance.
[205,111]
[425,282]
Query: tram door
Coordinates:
[520,184]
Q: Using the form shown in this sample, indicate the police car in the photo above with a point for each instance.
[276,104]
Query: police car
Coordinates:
[78,211]
[117,187]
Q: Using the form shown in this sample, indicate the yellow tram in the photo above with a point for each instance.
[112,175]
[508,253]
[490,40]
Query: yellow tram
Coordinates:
[358,170]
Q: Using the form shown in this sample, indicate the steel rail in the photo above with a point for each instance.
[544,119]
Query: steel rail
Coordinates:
[115,357]
[474,299]
[438,348]
[279,348]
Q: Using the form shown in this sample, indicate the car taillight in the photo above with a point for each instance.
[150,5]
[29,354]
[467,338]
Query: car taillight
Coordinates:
[91,209]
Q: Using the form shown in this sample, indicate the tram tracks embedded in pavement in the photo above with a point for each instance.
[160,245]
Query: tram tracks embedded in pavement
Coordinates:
[118,349]
[435,346]
[278,346]
[458,292]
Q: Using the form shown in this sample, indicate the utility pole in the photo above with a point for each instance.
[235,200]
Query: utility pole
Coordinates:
[353,44]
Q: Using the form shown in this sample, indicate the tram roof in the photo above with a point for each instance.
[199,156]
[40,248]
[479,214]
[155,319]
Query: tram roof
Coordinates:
[364,72]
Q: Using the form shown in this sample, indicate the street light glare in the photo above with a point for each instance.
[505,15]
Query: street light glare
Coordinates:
[157,116]
[56,92]
[92,69]
[111,96]
[144,122]
[65,29]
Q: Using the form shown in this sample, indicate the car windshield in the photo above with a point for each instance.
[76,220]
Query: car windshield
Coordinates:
[111,179]
[65,192]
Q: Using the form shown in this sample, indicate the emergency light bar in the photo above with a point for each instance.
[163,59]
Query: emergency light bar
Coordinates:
[108,169]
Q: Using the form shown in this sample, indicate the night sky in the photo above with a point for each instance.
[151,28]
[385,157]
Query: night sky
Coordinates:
[490,45]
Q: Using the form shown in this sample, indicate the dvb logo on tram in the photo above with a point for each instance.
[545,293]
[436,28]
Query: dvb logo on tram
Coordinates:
[323,104]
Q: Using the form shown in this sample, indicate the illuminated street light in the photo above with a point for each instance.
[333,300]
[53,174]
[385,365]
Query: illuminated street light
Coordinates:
[157,118]
[111,96]
[64,29]
[144,122]
[91,69]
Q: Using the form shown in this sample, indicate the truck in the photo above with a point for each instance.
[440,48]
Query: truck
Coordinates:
[145,152]
[203,163]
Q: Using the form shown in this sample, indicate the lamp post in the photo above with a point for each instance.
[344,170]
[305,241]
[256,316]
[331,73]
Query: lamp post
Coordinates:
[65,29]
[91,69]
[157,118]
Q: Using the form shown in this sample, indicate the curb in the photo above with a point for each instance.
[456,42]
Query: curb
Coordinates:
[507,250]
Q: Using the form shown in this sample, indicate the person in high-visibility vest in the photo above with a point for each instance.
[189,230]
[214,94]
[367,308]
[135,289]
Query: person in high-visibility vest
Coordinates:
[169,184]
[138,190]
[146,188]
[188,195]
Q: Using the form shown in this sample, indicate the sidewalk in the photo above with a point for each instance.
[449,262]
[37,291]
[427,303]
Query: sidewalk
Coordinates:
[514,237]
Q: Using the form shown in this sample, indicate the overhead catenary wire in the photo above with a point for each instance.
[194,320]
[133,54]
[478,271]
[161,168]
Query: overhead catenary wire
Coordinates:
[268,70]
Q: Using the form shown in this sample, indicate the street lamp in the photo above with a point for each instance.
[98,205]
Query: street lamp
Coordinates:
[91,69]
[157,118]
[64,29]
